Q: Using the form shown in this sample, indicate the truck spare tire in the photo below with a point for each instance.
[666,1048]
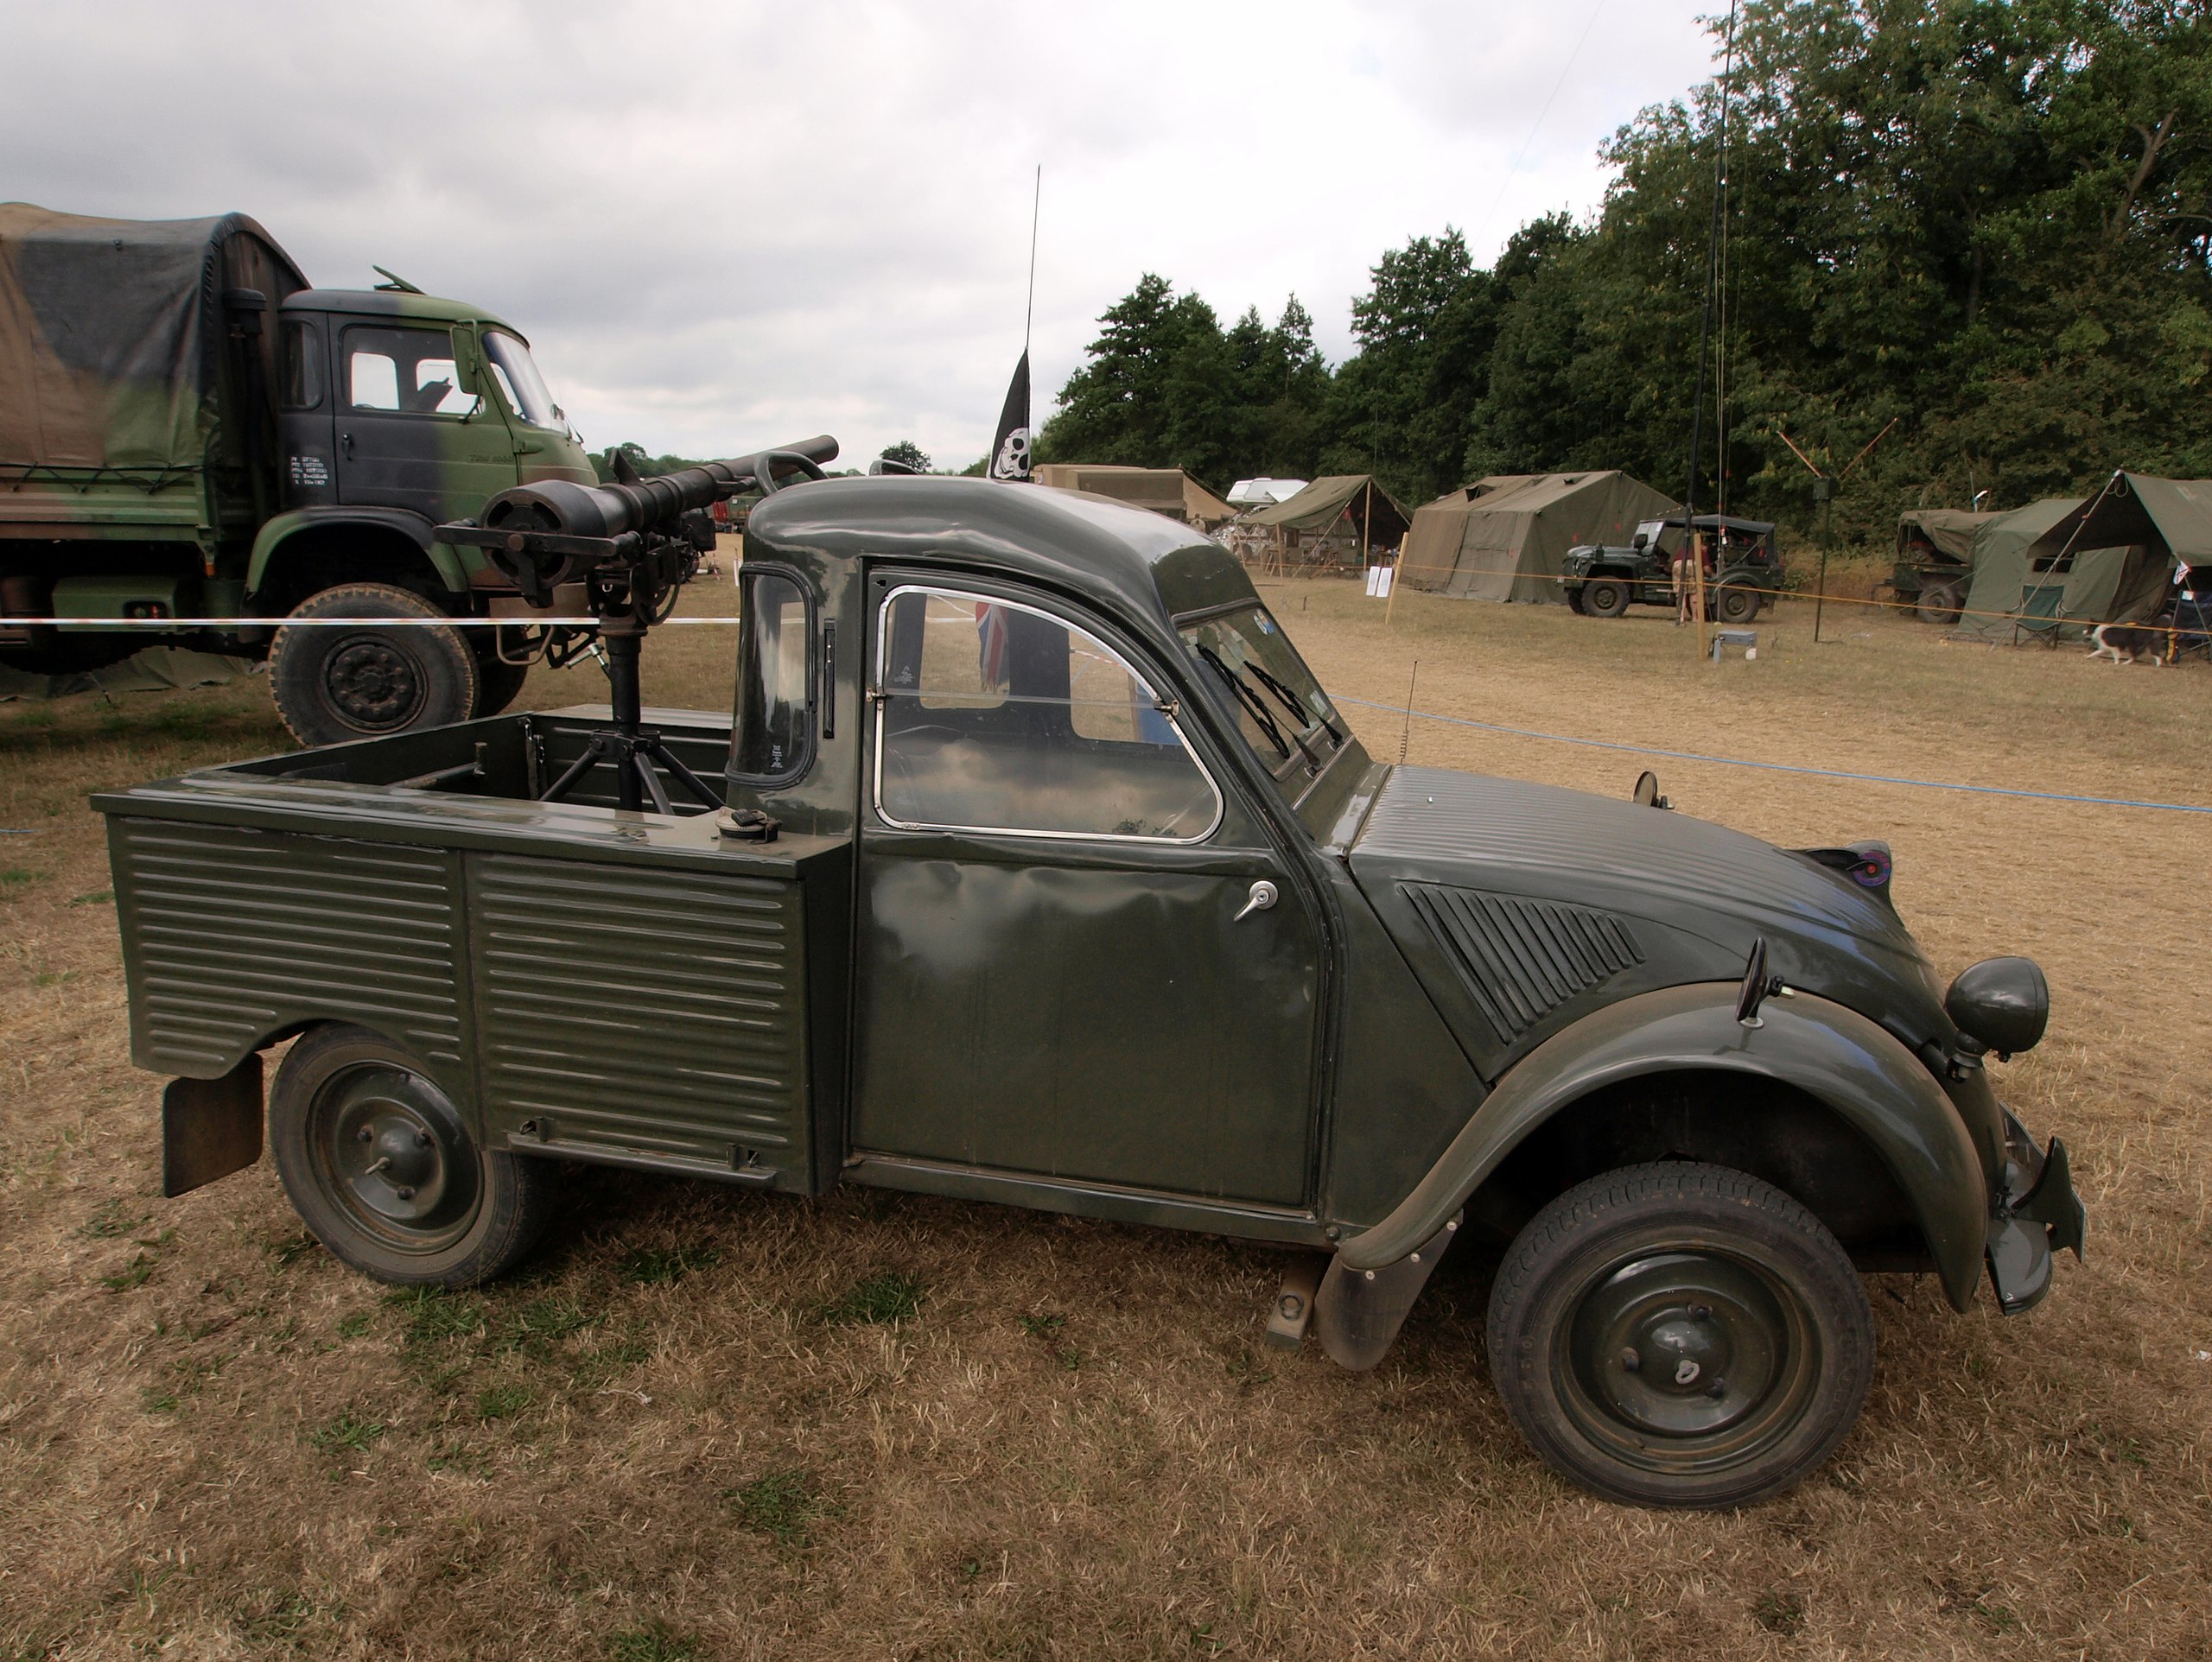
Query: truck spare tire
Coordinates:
[332,683]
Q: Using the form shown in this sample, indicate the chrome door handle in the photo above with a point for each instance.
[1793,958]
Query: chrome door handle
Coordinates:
[1262,897]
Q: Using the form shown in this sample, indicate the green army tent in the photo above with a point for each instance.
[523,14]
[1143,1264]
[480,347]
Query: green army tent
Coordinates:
[1331,520]
[2110,559]
[1502,538]
[2000,559]
[1168,490]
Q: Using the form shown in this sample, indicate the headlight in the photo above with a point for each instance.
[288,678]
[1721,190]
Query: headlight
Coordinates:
[2002,1002]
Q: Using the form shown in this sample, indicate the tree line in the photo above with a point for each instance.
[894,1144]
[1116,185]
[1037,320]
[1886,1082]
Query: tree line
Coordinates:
[1977,230]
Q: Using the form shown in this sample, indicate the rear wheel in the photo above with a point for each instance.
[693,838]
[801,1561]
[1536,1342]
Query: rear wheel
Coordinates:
[1677,1334]
[332,683]
[1942,603]
[1604,596]
[381,1169]
[1736,604]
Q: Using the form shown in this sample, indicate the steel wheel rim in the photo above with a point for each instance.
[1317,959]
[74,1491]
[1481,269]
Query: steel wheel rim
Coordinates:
[1686,1361]
[389,1151]
[376,684]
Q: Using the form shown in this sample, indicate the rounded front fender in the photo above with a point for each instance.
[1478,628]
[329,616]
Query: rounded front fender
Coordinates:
[282,528]
[1821,1048]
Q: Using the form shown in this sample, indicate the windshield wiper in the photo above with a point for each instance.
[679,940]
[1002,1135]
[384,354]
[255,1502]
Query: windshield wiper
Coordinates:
[1251,701]
[1290,702]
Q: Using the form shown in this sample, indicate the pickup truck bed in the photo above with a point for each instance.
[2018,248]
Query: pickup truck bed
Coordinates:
[625,989]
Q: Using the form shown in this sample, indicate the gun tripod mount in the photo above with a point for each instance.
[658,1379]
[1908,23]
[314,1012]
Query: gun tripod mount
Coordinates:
[628,545]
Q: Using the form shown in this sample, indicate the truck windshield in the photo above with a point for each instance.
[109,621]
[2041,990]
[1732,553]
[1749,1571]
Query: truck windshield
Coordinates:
[1280,709]
[518,379]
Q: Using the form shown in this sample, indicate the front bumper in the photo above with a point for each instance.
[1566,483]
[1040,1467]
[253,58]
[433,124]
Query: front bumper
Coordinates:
[2037,1216]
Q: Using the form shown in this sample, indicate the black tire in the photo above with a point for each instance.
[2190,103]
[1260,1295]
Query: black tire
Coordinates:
[1940,604]
[1736,604]
[333,684]
[1605,596]
[1575,602]
[383,1171]
[498,683]
[1631,1301]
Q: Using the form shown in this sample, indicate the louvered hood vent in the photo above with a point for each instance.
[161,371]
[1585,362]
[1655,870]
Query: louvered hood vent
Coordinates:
[1522,959]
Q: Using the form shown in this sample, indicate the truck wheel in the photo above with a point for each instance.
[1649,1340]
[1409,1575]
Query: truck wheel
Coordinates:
[1941,605]
[382,1172]
[498,683]
[1735,604]
[333,684]
[1676,1335]
[1575,602]
[1604,598]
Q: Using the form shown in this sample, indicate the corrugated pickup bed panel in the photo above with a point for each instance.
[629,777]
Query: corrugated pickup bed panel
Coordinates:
[643,1014]
[232,934]
[1522,959]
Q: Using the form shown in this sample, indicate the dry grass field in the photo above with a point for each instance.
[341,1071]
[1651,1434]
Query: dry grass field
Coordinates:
[705,1423]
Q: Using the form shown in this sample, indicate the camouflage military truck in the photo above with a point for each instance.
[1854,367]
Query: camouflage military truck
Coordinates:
[188,431]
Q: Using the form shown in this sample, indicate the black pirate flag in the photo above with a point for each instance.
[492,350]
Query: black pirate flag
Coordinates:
[1010,449]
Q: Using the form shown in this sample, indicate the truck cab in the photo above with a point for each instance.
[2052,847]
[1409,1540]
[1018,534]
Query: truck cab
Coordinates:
[1048,874]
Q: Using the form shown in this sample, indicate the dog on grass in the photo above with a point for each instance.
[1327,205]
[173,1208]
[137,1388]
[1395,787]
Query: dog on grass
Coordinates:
[2125,643]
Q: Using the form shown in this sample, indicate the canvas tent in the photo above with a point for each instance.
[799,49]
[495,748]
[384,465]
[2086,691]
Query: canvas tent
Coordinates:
[2110,559]
[1333,521]
[1502,538]
[1168,490]
[2000,559]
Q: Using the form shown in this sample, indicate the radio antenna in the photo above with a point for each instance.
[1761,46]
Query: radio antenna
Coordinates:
[1036,201]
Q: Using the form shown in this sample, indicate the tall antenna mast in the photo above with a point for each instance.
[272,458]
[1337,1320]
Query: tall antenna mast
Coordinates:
[1036,201]
[1711,277]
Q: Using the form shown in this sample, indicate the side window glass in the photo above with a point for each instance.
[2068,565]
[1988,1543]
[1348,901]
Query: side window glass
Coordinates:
[775,728]
[303,365]
[999,717]
[403,371]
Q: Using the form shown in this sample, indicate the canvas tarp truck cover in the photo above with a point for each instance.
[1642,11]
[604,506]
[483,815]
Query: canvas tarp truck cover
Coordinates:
[1317,508]
[1502,538]
[1949,531]
[113,335]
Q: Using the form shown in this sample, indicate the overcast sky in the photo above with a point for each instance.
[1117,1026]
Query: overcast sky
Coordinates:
[725,225]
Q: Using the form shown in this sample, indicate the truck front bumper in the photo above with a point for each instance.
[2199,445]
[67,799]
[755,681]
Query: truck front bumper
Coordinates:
[2038,1214]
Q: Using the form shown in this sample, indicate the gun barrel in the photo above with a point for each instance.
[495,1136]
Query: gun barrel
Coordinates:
[610,510]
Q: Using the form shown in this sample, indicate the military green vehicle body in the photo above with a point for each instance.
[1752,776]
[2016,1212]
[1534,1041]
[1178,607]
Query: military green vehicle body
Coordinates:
[1342,1006]
[189,431]
[1744,574]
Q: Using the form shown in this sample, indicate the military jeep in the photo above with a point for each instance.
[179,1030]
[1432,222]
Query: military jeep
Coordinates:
[1038,868]
[1743,569]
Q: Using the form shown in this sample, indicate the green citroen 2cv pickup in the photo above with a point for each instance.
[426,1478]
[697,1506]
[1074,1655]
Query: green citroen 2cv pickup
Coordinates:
[1046,874]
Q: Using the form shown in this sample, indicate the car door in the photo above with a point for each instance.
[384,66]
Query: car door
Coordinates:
[408,437]
[1076,957]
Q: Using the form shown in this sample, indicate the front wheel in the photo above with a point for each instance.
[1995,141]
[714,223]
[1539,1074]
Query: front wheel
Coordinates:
[1677,1334]
[1942,603]
[382,1170]
[333,680]
[1605,598]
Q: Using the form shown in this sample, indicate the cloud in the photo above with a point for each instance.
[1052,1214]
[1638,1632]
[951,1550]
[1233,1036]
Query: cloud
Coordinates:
[725,225]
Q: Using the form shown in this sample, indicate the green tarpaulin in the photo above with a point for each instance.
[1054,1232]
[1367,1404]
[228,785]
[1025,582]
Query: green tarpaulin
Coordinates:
[1949,531]
[1316,510]
[1502,538]
[2000,566]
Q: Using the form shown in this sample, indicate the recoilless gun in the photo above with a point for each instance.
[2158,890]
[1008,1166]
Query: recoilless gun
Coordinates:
[628,545]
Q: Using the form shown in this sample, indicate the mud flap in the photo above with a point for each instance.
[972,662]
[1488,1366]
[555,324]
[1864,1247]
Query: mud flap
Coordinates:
[210,1127]
[1357,1313]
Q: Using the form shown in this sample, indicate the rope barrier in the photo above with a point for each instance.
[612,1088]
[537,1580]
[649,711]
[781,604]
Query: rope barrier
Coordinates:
[1775,767]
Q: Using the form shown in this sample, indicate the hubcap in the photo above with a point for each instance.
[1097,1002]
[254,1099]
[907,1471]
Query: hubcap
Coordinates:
[373,682]
[391,1152]
[1686,1361]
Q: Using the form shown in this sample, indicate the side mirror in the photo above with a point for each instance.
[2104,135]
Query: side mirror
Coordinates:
[467,362]
[1646,794]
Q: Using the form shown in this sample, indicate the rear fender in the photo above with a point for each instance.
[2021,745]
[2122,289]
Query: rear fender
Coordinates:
[1820,1047]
